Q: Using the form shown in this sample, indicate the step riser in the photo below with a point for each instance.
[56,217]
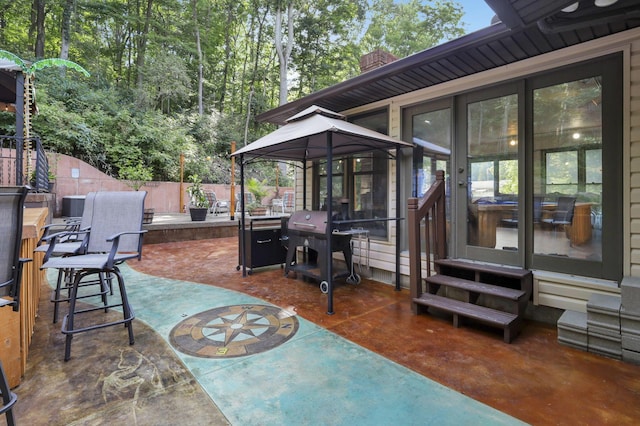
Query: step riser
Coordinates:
[496,296]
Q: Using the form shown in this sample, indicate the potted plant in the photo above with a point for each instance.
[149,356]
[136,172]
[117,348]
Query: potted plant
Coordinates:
[259,191]
[135,177]
[52,159]
[52,181]
[199,204]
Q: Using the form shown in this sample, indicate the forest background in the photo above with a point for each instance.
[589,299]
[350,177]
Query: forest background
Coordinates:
[171,77]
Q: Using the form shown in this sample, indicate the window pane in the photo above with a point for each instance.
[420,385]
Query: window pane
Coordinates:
[337,180]
[567,144]
[369,187]
[370,192]
[594,166]
[562,172]
[432,135]
[363,164]
[360,188]
[492,164]
[508,178]
[481,182]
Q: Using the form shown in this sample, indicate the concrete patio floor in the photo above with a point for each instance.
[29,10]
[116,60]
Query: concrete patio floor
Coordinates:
[534,379]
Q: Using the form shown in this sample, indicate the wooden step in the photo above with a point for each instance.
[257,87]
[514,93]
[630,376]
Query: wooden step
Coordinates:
[504,271]
[503,276]
[476,287]
[510,323]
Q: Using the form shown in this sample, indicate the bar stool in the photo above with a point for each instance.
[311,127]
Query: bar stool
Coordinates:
[115,237]
[70,241]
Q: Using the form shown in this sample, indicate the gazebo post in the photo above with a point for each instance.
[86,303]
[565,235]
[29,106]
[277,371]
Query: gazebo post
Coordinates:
[242,225]
[20,129]
[328,228]
[398,206]
[232,207]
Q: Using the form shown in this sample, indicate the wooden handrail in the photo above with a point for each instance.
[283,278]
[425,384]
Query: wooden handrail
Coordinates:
[432,209]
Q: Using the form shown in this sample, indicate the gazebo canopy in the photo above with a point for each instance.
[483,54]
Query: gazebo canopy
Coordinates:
[312,134]
[304,137]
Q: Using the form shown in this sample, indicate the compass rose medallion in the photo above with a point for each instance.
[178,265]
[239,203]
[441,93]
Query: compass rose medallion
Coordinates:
[233,331]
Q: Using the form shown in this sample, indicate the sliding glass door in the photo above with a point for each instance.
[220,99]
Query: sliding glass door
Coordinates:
[536,175]
[488,175]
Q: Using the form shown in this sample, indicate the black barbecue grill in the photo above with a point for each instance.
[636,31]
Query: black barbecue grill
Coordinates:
[308,229]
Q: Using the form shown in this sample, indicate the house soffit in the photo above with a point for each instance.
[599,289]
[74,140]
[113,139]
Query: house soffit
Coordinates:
[527,28]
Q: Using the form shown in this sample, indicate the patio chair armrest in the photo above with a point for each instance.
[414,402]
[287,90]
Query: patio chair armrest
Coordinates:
[57,228]
[115,239]
[119,234]
[18,276]
[67,235]
[63,237]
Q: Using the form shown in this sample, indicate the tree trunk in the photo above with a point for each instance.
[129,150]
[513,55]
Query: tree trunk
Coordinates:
[65,38]
[142,43]
[40,16]
[199,50]
[227,55]
[284,52]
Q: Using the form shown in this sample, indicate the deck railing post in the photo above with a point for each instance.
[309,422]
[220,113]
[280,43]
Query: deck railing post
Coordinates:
[415,262]
[431,207]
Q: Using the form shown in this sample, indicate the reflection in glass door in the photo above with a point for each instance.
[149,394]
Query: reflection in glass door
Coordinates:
[492,173]
[567,161]
[430,128]
[431,133]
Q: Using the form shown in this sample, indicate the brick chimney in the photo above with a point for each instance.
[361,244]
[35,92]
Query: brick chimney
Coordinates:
[375,59]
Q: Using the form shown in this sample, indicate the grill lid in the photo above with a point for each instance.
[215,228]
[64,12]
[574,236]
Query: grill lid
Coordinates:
[313,222]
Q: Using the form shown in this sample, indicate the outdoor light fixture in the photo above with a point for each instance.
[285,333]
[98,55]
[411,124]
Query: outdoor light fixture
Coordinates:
[599,3]
[571,8]
[604,3]
[576,135]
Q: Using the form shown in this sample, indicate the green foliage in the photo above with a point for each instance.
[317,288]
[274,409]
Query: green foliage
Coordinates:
[196,193]
[7,123]
[155,92]
[409,27]
[135,176]
[257,188]
[140,105]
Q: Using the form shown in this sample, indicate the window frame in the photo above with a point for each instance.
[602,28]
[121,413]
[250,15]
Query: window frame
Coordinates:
[348,174]
[610,69]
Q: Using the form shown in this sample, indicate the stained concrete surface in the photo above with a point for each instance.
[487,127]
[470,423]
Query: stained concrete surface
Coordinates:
[534,379]
[107,381]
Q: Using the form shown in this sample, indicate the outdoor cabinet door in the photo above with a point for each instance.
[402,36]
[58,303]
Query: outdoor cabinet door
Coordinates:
[264,247]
